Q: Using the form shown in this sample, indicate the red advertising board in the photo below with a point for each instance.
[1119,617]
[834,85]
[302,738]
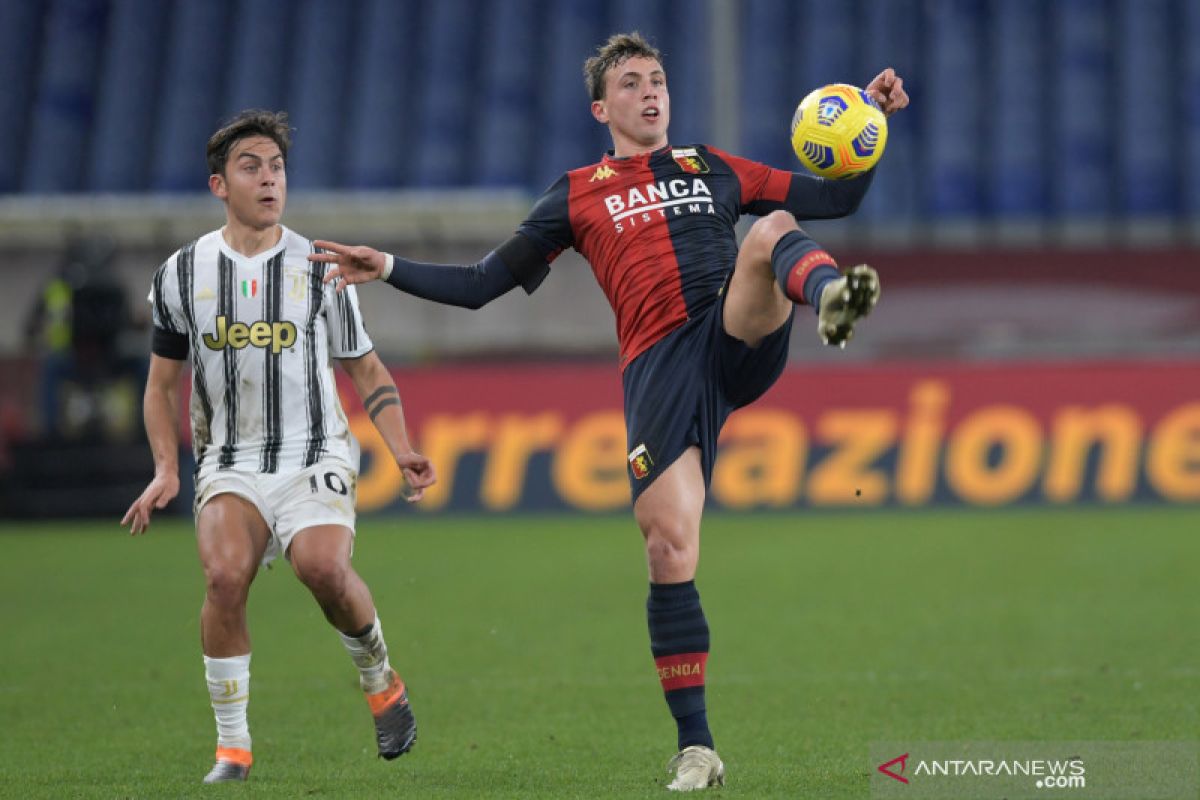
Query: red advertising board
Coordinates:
[552,437]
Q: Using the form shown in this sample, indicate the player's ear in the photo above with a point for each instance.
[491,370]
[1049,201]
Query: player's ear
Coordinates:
[216,185]
[600,112]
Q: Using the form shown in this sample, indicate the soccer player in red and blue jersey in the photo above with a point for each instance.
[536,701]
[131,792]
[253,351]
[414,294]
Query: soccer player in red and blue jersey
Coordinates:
[703,324]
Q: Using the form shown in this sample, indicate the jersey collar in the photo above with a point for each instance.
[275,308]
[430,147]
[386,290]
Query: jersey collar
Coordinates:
[610,157]
[258,257]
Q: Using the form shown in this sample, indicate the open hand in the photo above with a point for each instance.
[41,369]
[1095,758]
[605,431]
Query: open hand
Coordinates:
[887,89]
[351,263]
[161,491]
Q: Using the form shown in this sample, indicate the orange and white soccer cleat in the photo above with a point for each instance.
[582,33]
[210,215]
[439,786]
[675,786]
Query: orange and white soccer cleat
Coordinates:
[395,726]
[233,764]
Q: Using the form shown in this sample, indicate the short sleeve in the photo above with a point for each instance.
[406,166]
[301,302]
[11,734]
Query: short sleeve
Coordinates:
[348,337]
[164,299]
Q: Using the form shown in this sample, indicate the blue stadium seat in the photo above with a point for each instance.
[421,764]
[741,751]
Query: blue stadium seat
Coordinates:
[954,110]
[20,37]
[319,92]
[260,56]
[131,81]
[1019,142]
[651,19]
[768,88]
[1083,93]
[65,105]
[681,33]
[380,139]
[1085,110]
[570,136]
[1146,115]
[1189,118]
[890,39]
[827,50]
[511,84]
[444,121]
[195,75]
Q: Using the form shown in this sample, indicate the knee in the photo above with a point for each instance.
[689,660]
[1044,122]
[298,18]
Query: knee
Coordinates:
[326,579]
[767,231]
[672,548]
[227,583]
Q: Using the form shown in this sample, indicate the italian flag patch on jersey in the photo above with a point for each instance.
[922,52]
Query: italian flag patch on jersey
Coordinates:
[249,288]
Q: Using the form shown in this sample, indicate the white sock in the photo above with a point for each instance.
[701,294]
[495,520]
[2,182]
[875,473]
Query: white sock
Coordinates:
[369,653]
[229,689]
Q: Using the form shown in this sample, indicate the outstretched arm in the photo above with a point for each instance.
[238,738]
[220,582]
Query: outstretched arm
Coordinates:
[516,262]
[161,412]
[524,260]
[381,400]
[810,197]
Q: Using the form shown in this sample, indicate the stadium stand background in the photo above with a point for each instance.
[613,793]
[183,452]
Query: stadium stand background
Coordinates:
[1041,199]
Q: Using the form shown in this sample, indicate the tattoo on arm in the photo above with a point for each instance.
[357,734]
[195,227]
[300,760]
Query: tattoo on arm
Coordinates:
[380,399]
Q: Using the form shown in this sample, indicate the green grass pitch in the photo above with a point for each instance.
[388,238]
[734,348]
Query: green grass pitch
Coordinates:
[524,644]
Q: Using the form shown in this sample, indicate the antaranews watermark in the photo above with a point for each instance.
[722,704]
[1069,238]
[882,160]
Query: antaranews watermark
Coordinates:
[1087,770]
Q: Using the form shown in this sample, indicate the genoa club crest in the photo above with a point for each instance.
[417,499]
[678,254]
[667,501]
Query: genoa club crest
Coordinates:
[689,160]
[640,461]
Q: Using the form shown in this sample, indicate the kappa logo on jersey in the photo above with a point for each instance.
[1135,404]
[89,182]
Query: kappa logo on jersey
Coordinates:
[602,173]
[689,160]
[640,204]
[640,461]
[276,335]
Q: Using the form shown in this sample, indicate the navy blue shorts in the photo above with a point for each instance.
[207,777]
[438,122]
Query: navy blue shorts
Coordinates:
[680,392]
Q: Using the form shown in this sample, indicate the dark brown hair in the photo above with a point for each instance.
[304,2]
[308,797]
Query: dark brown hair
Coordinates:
[252,122]
[618,48]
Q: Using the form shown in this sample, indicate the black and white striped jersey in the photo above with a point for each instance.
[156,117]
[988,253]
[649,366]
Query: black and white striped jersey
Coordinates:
[262,333]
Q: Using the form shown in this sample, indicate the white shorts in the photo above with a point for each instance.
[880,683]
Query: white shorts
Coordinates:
[323,494]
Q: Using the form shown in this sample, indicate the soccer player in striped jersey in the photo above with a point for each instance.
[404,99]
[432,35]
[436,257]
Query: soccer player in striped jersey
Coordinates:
[276,464]
[702,322]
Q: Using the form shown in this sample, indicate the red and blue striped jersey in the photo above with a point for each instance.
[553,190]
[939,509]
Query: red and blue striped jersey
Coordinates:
[658,228]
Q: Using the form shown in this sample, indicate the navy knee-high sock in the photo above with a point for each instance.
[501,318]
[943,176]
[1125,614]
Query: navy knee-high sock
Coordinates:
[679,643]
[802,268]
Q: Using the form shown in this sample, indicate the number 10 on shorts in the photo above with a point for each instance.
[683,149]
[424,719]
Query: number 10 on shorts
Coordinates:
[333,482]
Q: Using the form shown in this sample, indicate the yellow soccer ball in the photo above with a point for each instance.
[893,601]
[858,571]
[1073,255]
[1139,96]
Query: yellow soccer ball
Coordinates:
[838,131]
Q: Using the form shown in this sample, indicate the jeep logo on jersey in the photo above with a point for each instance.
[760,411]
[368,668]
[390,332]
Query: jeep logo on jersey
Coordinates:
[276,335]
[677,196]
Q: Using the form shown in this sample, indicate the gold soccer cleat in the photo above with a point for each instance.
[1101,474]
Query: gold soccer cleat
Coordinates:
[844,302]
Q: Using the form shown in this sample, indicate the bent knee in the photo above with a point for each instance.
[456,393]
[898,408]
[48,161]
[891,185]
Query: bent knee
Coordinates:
[324,579]
[767,231]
